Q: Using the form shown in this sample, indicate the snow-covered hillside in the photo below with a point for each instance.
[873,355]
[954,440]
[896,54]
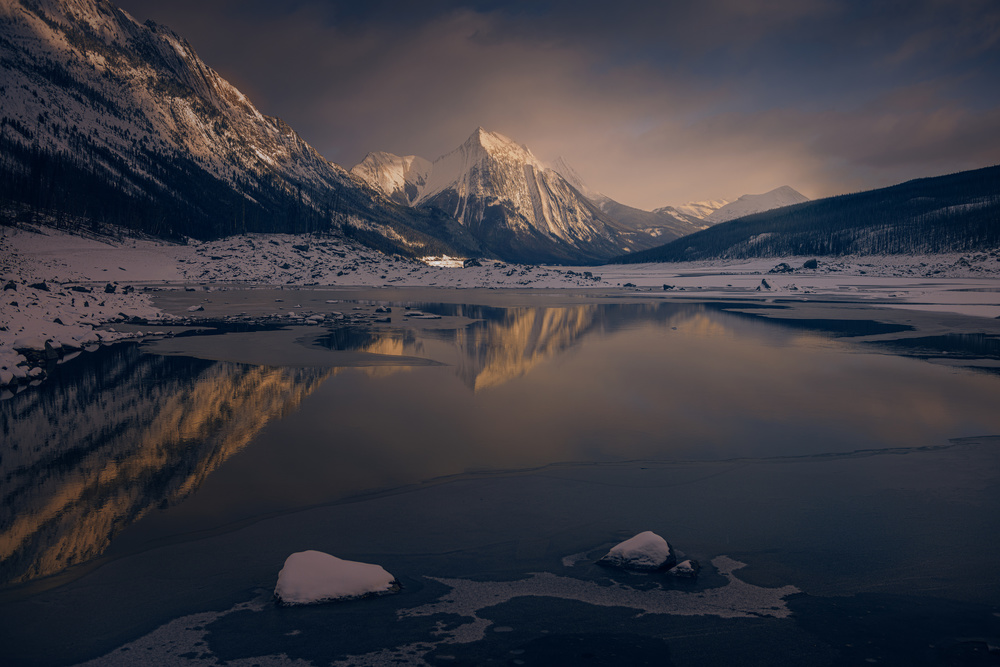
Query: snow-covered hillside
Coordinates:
[750,204]
[106,121]
[99,80]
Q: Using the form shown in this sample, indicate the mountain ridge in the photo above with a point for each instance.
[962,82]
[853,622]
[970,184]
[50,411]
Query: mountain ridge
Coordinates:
[659,225]
[951,213]
[749,204]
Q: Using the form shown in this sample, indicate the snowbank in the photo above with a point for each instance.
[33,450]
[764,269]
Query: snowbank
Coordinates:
[311,577]
[645,552]
[45,310]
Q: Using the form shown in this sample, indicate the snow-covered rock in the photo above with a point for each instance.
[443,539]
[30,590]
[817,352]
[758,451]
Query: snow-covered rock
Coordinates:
[686,569]
[311,577]
[765,286]
[646,551]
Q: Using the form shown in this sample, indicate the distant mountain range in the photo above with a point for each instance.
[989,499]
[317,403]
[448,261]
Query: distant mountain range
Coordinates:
[107,123]
[662,225]
[955,213]
[522,209]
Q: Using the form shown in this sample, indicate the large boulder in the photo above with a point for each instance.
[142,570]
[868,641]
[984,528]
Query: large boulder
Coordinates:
[646,552]
[311,577]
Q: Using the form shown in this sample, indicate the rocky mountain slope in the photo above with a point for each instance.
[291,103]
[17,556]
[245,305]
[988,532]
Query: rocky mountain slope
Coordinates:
[106,121]
[516,207]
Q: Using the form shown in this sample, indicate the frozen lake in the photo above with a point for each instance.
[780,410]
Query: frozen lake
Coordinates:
[834,467]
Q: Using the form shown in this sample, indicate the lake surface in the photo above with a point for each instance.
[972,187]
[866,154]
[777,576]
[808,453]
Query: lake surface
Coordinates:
[836,474]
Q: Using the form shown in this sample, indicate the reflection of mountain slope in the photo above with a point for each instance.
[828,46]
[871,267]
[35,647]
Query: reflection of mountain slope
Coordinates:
[505,343]
[141,432]
[508,346]
[504,350]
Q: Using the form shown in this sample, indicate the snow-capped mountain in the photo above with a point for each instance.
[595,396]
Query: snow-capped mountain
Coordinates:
[713,211]
[750,204]
[697,209]
[400,178]
[109,121]
[514,205]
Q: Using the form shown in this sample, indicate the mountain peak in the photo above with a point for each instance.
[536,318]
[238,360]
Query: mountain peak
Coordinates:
[397,177]
[493,141]
[785,192]
[750,204]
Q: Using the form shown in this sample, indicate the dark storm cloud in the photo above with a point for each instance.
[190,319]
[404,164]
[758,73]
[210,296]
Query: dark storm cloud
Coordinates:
[654,103]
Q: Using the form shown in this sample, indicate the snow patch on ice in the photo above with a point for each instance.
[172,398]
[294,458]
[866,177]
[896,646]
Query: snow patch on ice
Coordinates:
[177,641]
[736,599]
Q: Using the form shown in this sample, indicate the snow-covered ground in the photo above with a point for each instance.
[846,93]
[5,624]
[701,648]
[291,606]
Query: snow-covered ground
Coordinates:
[63,292]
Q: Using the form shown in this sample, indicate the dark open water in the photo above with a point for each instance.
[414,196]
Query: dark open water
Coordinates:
[842,494]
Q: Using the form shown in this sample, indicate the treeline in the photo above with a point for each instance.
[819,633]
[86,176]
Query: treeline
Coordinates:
[169,197]
[955,213]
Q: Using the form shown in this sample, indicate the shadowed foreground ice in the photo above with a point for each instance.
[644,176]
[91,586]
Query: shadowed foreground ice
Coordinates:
[182,641]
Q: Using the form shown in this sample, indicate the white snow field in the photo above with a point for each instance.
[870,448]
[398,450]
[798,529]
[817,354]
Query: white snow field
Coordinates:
[312,577]
[66,292]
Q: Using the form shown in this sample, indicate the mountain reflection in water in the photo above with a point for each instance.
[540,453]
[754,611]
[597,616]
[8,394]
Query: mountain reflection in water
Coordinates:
[505,343]
[120,432]
[105,441]
[92,451]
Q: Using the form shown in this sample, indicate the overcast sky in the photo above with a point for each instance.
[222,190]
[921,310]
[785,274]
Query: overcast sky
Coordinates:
[653,103]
